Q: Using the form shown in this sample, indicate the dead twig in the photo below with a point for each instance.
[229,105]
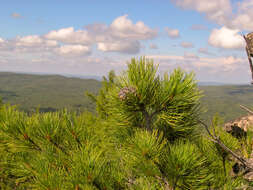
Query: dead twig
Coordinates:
[216,139]
[247,109]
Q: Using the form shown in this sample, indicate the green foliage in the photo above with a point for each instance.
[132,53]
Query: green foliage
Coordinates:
[145,136]
[185,167]
[247,144]
[47,93]
[101,100]
[140,98]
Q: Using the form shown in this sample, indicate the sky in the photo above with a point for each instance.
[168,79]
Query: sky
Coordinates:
[92,37]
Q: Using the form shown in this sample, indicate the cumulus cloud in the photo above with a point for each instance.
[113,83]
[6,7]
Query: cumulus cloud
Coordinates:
[123,27]
[186,44]
[33,40]
[226,38]
[69,35]
[223,12]
[215,10]
[51,43]
[16,15]
[172,33]
[122,35]
[244,16]
[131,47]
[31,43]
[73,50]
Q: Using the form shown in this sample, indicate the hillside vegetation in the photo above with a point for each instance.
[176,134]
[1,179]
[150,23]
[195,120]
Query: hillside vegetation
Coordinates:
[54,92]
[48,92]
[226,100]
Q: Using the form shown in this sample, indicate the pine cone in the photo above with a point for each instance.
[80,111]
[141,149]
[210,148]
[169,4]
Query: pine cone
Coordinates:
[125,92]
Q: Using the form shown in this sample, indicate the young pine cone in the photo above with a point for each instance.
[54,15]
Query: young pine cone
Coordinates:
[126,91]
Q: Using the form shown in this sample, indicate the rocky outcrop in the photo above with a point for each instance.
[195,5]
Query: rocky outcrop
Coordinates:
[239,127]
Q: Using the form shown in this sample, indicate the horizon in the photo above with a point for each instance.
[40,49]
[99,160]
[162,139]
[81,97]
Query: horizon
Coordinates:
[87,38]
[100,78]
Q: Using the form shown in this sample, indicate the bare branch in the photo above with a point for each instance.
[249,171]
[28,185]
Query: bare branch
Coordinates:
[216,140]
[206,127]
[247,109]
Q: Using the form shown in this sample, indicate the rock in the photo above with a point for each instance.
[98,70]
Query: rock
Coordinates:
[238,129]
[240,126]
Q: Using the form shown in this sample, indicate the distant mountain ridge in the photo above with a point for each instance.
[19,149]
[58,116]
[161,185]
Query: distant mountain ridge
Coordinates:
[99,78]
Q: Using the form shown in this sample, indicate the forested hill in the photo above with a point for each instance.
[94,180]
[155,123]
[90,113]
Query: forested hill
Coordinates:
[226,99]
[52,92]
[49,92]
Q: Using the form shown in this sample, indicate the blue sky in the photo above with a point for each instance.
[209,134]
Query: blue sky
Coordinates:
[91,37]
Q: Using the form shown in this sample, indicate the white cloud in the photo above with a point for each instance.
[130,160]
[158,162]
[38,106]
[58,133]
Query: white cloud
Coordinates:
[51,43]
[226,38]
[122,35]
[61,34]
[244,16]
[186,44]
[73,50]
[1,40]
[172,33]
[123,27]
[223,12]
[215,10]
[69,35]
[129,47]
[33,40]
[31,43]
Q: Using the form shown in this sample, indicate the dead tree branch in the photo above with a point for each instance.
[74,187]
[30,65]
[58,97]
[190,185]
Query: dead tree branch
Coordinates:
[216,139]
[247,109]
